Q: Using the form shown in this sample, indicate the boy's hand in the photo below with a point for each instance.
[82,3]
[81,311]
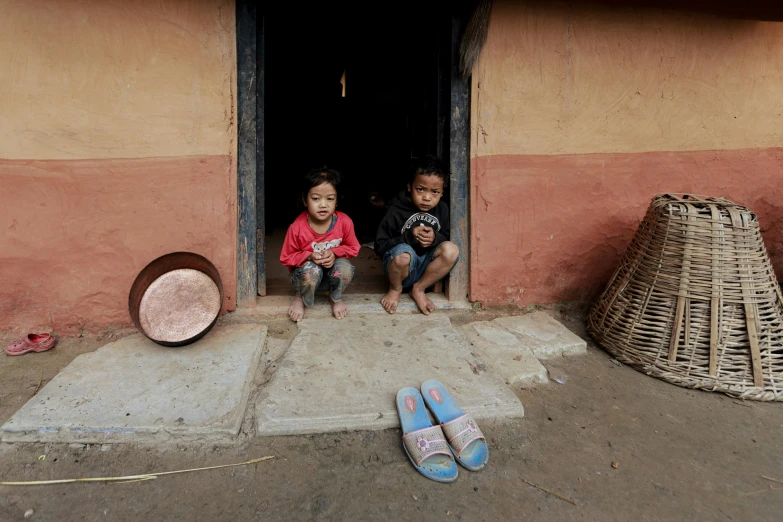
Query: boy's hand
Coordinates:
[424,235]
[327,259]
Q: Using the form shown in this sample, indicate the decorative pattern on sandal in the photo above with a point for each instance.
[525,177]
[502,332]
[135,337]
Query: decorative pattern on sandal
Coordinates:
[461,432]
[425,443]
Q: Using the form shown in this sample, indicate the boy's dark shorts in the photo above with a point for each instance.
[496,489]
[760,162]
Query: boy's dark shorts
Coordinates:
[418,265]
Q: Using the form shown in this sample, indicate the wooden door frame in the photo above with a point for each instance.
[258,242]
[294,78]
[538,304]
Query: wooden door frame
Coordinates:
[251,228]
[248,151]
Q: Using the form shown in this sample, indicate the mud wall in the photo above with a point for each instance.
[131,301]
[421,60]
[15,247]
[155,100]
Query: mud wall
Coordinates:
[581,113]
[117,145]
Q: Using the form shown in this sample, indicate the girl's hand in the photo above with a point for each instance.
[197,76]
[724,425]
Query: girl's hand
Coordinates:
[328,259]
[317,257]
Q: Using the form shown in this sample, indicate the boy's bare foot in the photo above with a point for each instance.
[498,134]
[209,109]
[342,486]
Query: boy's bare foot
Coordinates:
[296,310]
[391,300]
[339,309]
[422,301]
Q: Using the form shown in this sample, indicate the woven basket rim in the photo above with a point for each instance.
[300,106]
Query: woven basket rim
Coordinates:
[694,199]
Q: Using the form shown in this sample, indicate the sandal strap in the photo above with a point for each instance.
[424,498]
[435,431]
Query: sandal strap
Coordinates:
[422,444]
[47,342]
[461,432]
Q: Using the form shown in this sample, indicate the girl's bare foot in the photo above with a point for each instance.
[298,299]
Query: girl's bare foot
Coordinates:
[296,310]
[391,300]
[422,301]
[339,309]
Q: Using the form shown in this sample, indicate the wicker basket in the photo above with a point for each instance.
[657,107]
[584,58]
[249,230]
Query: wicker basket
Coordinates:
[695,301]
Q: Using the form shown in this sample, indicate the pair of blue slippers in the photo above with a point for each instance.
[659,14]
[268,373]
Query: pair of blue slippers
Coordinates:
[434,449]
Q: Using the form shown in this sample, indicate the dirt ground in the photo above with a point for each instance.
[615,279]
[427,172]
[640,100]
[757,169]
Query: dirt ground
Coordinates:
[679,454]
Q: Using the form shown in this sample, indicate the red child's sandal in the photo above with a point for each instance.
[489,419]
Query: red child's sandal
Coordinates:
[31,343]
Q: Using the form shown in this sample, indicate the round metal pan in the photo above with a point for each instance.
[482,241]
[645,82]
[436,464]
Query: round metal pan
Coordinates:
[176,299]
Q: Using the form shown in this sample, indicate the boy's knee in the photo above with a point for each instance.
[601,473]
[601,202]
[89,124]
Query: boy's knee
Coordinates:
[449,251]
[402,261]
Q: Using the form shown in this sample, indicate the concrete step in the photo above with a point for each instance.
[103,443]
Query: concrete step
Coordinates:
[277,306]
[134,389]
[344,375]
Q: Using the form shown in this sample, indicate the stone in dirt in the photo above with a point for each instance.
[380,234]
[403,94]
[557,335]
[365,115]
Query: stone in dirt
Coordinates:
[543,334]
[505,354]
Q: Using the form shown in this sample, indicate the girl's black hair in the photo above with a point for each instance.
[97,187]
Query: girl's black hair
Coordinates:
[318,177]
[430,166]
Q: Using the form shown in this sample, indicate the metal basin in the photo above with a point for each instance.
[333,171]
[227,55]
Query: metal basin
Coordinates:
[176,299]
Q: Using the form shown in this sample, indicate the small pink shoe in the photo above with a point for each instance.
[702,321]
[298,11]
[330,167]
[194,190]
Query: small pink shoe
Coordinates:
[31,343]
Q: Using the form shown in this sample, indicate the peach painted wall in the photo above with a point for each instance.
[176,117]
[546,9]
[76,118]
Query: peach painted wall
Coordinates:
[580,114]
[117,145]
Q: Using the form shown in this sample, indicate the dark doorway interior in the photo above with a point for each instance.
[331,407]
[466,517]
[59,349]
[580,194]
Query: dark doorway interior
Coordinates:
[363,93]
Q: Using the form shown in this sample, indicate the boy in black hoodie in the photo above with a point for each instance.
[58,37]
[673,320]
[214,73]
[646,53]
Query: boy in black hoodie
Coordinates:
[413,239]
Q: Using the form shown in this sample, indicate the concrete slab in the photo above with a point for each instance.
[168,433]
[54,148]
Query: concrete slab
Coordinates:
[344,375]
[134,387]
[277,305]
[544,335]
[505,354]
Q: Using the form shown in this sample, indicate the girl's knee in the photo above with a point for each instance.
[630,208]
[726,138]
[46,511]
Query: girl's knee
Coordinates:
[309,268]
[343,264]
[343,270]
[309,275]
[449,251]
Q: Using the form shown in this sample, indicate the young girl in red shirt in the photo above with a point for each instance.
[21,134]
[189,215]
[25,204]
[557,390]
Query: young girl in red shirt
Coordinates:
[319,244]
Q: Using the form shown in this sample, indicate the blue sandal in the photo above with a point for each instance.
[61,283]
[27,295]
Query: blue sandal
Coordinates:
[424,443]
[463,434]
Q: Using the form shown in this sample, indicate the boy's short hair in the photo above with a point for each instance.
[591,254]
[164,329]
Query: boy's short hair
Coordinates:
[319,176]
[430,166]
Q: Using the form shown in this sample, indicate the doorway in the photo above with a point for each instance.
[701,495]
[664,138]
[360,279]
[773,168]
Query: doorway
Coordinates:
[368,95]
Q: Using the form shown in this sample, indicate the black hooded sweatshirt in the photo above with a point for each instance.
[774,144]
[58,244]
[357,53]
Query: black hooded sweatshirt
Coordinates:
[402,217]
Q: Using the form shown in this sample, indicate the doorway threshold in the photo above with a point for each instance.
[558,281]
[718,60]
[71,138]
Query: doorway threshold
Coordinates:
[277,305]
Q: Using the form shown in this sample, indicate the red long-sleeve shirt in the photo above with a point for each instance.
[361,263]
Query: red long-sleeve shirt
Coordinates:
[301,241]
